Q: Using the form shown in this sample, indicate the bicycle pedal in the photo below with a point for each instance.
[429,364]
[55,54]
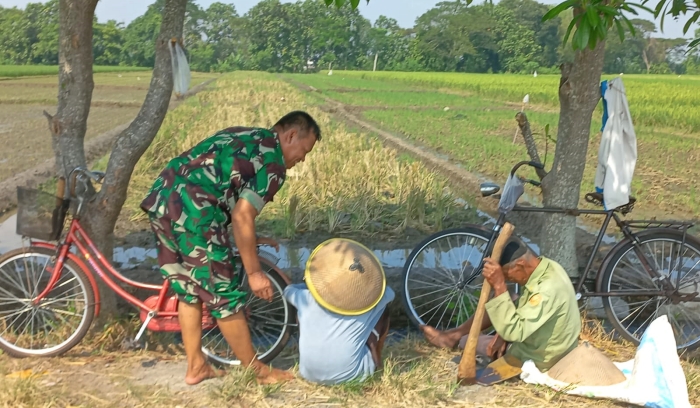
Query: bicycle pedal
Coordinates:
[131,344]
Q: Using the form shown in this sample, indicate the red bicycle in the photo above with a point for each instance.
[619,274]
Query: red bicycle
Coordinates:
[49,295]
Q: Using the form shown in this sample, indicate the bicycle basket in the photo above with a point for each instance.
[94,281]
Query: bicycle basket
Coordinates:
[40,215]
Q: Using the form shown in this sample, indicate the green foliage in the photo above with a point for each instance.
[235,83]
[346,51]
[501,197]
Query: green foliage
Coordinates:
[594,18]
[515,36]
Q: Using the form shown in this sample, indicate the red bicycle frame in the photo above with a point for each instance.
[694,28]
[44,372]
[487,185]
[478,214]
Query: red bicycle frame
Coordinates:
[87,250]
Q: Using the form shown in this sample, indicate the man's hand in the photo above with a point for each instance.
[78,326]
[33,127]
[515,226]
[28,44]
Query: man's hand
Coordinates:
[260,285]
[494,275]
[243,223]
[269,242]
[496,348]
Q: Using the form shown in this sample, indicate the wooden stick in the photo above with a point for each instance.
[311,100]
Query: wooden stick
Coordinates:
[467,366]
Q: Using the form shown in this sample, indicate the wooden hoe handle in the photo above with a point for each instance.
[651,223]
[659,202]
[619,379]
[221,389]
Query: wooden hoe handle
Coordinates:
[467,366]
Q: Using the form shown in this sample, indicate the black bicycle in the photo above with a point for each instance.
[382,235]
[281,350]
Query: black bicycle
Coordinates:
[652,271]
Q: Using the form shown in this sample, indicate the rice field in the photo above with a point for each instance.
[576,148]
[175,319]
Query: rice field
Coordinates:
[24,134]
[471,119]
[13,71]
[349,184]
[663,101]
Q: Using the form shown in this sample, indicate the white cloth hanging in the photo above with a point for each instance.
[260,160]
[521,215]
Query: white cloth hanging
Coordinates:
[617,155]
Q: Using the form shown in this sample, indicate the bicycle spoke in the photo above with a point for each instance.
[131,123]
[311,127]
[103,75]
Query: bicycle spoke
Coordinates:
[36,291]
[270,321]
[429,293]
[64,312]
[427,284]
[689,320]
[447,272]
[16,284]
[457,306]
[446,301]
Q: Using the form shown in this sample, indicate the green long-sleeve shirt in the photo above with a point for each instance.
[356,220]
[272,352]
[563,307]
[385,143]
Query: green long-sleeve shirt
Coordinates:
[546,324]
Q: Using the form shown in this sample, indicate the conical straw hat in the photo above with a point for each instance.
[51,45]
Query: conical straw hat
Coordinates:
[586,366]
[345,277]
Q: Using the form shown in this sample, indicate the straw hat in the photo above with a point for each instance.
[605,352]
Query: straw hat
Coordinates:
[586,366]
[345,277]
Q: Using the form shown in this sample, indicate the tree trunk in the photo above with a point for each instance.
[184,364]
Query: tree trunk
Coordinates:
[75,83]
[646,60]
[75,92]
[579,93]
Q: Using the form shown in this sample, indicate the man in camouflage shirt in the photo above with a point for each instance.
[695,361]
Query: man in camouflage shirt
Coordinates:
[225,179]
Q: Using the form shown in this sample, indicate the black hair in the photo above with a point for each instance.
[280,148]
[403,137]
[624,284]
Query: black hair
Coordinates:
[515,248]
[301,119]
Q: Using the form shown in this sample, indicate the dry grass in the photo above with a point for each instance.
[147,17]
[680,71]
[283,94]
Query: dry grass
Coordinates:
[415,375]
[349,183]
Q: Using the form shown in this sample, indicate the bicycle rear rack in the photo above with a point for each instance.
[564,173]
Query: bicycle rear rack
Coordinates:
[647,224]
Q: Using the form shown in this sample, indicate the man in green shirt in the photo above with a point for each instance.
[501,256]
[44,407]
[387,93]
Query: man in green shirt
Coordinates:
[545,324]
[225,179]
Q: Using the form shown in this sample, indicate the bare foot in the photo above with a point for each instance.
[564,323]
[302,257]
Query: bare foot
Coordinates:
[201,373]
[448,339]
[268,375]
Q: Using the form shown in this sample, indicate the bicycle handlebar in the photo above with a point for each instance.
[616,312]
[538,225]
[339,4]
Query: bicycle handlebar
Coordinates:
[534,164]
[96,176]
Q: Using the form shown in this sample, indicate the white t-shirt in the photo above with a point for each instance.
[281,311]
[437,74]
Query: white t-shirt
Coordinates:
[332,347]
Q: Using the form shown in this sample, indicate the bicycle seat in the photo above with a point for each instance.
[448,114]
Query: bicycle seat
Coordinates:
[597,199]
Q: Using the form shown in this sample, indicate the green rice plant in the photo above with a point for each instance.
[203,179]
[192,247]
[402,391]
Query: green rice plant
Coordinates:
[664,101]
[14,71]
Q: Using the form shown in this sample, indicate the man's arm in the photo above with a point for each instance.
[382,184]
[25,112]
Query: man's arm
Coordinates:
[512,324]
[293,294]
[517,324]
[243,223]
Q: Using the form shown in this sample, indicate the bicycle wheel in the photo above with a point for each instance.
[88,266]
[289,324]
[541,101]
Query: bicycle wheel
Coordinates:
[630,315]
[55,325]
[270,323]
[434,293]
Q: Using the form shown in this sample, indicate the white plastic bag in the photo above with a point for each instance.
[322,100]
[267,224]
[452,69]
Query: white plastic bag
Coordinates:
[513,189]
[181,69]
[655,377]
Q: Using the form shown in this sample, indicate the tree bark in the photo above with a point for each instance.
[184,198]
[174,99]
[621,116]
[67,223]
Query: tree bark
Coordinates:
[579,93]
[69,124]
[75,83]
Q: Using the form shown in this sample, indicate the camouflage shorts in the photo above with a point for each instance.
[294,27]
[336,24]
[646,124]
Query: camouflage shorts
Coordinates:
[199,269]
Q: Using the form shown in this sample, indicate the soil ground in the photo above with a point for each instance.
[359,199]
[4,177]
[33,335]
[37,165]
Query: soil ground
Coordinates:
[24,132]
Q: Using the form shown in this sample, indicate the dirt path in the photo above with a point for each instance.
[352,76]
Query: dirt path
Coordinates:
[94,149]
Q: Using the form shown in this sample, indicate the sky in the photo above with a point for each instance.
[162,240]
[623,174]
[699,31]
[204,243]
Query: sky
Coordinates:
[404,11]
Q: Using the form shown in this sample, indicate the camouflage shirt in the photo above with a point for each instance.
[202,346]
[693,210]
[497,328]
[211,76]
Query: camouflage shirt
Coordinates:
[198,189]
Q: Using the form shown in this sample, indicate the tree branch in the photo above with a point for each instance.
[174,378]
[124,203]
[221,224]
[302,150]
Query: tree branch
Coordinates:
[134,140]
[54,125]
[525,130]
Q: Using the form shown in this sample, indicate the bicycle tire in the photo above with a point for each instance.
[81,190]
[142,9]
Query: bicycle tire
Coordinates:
[469,231]
[278,284]
[88,313]
[605,285]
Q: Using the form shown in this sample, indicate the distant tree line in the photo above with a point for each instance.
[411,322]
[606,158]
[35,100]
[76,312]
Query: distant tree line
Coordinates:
[300,37]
